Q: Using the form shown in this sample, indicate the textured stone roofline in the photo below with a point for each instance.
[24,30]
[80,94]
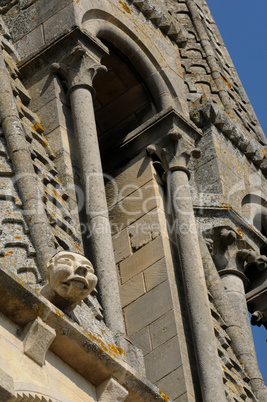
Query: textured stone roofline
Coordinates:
[166,23]
[205,112]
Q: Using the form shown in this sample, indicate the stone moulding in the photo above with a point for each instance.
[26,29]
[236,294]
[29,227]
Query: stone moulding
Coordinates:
[166,23]
[205,112]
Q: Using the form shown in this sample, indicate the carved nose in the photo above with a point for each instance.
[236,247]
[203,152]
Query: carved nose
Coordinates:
[82,271]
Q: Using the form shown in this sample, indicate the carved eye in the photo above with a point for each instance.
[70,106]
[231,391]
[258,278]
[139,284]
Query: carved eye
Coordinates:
[66,259]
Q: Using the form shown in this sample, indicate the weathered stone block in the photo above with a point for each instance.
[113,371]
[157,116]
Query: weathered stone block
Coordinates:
[59,23]
[121,246]
[163,329]
[44,87]
[187,397]
[156,274]
[147,228]
[58,139]
[55,114]
[174,383]
[207,178]
[148,308]
[30,43]
[142,259]
[169,357]
[132,290]
[135,205]
[45,9]
[142,340]
[133,176]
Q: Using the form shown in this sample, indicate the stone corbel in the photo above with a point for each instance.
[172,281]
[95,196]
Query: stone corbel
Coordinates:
[38,340]
[111,391]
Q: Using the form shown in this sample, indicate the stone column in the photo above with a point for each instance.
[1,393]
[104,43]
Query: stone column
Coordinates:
[233,256]
[79,71]
[174,162]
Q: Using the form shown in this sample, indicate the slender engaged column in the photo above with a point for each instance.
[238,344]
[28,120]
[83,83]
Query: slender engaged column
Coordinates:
[80,72]
[236,293]
[176,173]
[232,256]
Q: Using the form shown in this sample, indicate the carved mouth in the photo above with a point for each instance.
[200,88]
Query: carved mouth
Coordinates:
[78,283]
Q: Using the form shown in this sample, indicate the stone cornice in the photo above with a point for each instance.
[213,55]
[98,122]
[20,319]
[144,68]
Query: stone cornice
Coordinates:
[161,18]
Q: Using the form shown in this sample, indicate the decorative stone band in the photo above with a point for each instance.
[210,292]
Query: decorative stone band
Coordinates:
[176,168]
[208,112]
[240,274]
[160,17]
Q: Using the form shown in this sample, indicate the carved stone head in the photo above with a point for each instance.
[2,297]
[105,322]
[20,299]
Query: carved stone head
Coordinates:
[71,279]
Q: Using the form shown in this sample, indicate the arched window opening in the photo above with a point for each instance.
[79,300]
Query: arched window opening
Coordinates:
[123,101]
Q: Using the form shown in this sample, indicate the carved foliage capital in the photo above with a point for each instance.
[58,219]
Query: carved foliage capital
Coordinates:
[176,155]
[232,253]
[79,69]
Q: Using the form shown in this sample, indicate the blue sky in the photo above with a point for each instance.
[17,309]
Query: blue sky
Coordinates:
[243,26]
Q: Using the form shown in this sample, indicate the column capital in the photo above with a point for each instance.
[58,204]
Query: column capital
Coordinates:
[232,254]
[79,69]
[176,154]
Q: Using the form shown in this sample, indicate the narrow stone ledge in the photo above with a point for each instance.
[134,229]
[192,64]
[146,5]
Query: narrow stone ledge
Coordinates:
[91,350]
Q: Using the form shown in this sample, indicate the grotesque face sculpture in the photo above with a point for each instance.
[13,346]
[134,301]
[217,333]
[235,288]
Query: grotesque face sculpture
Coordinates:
[71,278]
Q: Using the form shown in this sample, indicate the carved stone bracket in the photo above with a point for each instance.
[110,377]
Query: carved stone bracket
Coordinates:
[79,69]
[38,340]
[176,155]
[111,391]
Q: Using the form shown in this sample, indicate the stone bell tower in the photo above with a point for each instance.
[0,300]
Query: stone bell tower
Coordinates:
[132,206]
